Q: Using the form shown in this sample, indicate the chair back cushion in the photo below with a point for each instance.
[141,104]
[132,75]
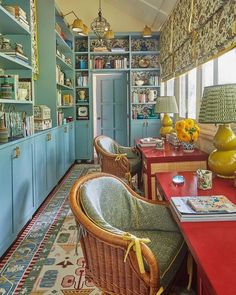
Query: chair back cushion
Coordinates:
[111,206]
[108,145]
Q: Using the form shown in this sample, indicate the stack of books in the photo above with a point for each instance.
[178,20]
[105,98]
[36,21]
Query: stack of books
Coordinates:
[203,208]
[149,142]
[19,14]
[15,54]
[100,49]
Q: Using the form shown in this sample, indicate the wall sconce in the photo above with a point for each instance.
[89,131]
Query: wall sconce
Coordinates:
[77,25]
[147,32]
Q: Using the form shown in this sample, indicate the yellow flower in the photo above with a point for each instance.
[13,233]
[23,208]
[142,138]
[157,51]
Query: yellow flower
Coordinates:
[180,125]
[187,130]
[189,123]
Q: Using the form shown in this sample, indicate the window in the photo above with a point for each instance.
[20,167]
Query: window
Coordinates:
[207,74]
[170,87]
[226,67]
[182,96]
[192,87]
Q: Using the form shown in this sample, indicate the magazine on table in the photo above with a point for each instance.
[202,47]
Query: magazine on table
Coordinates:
[203,208]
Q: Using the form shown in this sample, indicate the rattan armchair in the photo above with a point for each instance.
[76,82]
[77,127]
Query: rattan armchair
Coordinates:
[111,217]
[124,162]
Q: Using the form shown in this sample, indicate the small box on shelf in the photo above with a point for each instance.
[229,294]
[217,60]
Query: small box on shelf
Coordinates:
[42,112]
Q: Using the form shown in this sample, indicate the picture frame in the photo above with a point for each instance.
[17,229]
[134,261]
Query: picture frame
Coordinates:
[25,89]
[82,112]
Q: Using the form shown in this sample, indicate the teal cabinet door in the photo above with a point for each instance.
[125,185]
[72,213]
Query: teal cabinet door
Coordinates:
[60,153]
[66,148]
[51,157]
[22,177]
[153,128]
[40,166]
[144,128]
[6,212]
[84,141]
[137,130]
[72,142]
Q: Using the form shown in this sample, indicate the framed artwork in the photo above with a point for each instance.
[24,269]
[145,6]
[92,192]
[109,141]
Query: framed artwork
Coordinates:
[25,89]
[82,113]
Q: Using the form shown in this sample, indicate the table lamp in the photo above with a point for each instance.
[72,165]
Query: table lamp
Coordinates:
[219,107]
[166,104]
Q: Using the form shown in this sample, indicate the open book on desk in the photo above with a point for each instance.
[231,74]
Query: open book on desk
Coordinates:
[203,208]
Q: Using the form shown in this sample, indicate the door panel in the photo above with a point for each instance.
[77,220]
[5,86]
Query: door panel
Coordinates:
[111,106]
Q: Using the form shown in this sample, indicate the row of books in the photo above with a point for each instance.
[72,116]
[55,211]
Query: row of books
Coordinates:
[203,208]
[99,63]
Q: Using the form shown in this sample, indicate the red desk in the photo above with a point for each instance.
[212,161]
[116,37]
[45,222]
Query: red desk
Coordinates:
[212,244]
[169,159]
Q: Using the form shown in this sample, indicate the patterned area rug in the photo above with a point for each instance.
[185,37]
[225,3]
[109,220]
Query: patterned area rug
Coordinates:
[43,260]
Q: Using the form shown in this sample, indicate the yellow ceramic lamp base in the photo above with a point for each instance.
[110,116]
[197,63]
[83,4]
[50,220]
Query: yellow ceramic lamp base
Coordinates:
[223,160]
[166,123]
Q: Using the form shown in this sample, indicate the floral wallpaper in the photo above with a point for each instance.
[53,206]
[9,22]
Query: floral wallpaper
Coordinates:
[201,30]
[34,37]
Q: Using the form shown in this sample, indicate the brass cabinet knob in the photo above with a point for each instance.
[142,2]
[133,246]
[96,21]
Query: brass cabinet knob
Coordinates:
[17,152]
[49,136]
[65,129]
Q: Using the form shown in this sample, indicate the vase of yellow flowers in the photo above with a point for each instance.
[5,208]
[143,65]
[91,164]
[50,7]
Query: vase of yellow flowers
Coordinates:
[187,132]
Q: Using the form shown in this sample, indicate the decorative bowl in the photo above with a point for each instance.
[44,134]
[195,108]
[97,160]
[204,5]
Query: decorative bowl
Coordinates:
[139,82]
[144,63]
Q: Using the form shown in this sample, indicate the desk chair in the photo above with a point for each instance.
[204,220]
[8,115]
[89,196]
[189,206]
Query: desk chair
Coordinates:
[131,245]
[124,162]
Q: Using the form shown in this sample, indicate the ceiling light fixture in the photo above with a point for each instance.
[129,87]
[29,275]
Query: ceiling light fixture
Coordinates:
[101,27]
[77,25]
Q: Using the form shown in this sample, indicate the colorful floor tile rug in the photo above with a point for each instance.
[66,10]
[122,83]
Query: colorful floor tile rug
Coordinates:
[43,259]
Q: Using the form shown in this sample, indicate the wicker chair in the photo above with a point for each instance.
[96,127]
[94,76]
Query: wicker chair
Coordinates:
[124,162]
[110,217]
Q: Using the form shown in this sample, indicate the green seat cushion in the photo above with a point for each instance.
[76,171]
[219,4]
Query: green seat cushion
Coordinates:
[169,248]
[135,165]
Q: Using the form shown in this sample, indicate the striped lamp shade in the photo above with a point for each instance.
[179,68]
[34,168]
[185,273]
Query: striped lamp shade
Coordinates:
[218,104]
[166,104]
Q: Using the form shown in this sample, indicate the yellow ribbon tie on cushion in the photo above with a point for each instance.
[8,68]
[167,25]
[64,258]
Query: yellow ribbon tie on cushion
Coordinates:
[160,291]
[135,243]
[128,177]
[120,156]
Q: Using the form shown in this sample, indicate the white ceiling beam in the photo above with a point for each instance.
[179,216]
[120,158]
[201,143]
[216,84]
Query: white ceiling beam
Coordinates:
[153,7]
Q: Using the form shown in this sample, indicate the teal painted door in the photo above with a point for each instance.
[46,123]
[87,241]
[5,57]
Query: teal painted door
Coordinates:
[22,173]
[60,153]
[153,128]
[40,164]
[72,142]
[66,147]
[83,140]
[51,155]
[111,106]
[6,214]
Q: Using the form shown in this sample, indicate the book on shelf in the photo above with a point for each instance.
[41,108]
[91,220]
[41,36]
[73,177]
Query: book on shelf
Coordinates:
[117,49]
[149,142]
[203,208]
[100,49]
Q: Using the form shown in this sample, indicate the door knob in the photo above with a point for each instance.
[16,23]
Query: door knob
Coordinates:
[99,118]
